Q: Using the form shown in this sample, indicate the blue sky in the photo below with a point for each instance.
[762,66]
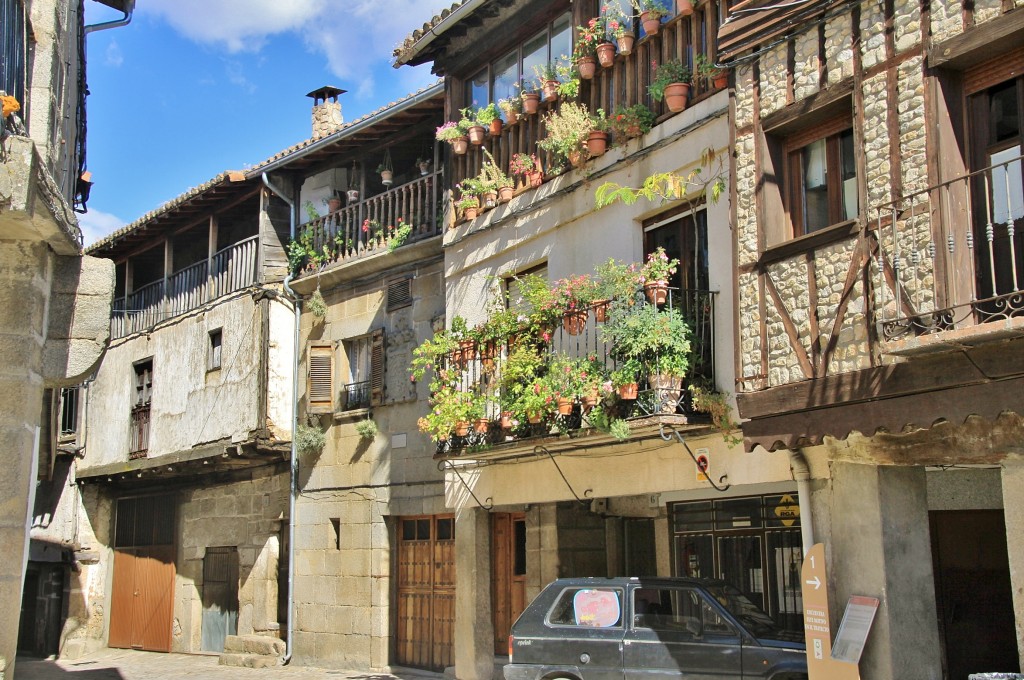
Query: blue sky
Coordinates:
[191,88]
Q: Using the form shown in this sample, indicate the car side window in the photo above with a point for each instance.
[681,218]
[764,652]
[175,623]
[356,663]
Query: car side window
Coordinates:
[589,607]
[713,622]
[667,609]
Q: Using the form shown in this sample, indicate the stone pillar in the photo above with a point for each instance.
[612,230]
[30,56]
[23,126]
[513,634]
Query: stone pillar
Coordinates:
[1013,513]
[880,547]
[25,276]
[474,621]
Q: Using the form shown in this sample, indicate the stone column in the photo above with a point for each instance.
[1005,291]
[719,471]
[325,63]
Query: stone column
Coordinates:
[474,621]
[880,547]
[1013,514]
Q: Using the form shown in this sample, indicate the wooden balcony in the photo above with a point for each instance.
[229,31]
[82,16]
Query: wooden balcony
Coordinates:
[360,229]
[951,260]
[230,269]
[622,85]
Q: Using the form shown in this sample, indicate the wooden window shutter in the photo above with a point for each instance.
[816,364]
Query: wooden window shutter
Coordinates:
[320,382]
[377,368]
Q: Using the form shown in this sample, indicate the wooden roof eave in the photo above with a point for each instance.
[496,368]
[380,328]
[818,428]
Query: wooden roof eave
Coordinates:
[760,24]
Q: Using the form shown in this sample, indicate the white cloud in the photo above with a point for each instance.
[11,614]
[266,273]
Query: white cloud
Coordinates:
[353,36]
[97,224]
[113,56]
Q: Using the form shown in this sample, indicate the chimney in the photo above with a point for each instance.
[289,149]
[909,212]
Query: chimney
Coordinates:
[326,110]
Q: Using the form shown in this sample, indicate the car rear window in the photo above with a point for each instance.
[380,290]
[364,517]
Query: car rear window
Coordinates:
[589,607]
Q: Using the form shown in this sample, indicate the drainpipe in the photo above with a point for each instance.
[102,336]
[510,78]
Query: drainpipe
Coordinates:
[294,467]
[802,475]
[129,8]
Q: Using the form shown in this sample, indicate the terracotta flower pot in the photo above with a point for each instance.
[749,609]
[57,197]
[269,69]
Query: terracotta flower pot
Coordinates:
[577,158]
[496,127]
[386,177]
[333,204]
[505,194]
[481,425]
[506,420]
[652,24]
[476,135]
[590,400]
[684,7]
[534,417]
[606,54]
[461,428]
[564,406]
[629,391]
[597,143]
[721,81]
[676,95]
[468,348]
[490,199]
[512,116]
[657,292]
[535,177]
[531,102]
[626,44]
[460,146]
[550,88]
[574,322]
[600,310]
[587,66]
[471,213]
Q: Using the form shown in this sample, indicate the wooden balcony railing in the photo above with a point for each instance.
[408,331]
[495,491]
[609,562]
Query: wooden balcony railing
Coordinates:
[233,268]
[952,255]
[621,86]
[342,235]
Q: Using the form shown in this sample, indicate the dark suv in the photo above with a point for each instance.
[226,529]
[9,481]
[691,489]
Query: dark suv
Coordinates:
[649,629]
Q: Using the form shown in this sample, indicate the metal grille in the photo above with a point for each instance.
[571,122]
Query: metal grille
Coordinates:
[12,48]
[399,294]
[69,410]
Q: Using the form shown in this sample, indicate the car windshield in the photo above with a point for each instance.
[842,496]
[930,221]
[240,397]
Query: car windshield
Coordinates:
[745,611]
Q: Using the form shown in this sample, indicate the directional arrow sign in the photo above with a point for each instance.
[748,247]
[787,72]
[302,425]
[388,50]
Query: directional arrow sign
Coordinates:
[816,582]
[817,629]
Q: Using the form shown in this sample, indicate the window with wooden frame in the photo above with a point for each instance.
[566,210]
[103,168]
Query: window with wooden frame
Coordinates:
[139,417]
[213,352]
[356,390]
[821,176]
[320,379]
[503,77]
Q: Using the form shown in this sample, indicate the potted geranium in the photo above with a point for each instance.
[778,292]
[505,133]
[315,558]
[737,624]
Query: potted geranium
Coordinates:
[619,27]
[672,83]
[536,401]
[706,70]
[584,52]
[474,130]
[528,166]
[655,274]
[632,121]
[468,205]
[511,106]
[452,133]
[501,182]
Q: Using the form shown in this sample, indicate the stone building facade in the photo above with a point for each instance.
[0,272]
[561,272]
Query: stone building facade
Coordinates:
[876,173]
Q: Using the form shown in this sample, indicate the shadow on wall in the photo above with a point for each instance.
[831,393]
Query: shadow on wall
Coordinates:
[40,669]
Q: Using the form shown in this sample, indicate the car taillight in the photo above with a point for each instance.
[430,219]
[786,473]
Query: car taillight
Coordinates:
[511,641]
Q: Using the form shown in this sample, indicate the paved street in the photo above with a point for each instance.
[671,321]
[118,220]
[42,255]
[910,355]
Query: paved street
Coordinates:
[120,664]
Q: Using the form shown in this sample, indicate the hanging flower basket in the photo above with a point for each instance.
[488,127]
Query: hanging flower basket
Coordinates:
[657,292]
[606,54]
[600,310]
[506,420]
[476,135]
[386,177]
[352,195]
[550,89]
[684,7]
[481,425]
[574,322]
[534,417]
[651,23]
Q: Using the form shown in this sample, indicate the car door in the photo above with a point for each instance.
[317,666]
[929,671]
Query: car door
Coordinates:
[584,629]
[677,633]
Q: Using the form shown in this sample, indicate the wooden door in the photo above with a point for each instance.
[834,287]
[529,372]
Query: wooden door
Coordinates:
[426,592]
[220,597]
[142,592]
[508,557]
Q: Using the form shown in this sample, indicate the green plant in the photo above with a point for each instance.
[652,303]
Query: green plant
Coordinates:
[309,439]
[619,429]
[658,338]
[303,253]
[671,185]
[588,37]
[493,174]
[572,377]
[485,115]
[367,429]
[545,72]
[653,7]
[467,201]
[567,130]
[536,398]
[449,132]
[705,69]
[311,212]
[658,267]
[617,22]
[522,163]
[511,104]
[317,305]
[632,121]
[397,235]
[665,74]
[626,373]
[615,281]
[568,79]
[449,407]
[716,405]
[431,354]
[600,121]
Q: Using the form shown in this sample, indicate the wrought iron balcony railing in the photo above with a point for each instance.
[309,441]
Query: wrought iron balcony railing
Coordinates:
[480,370]
[952,255]
[233,268]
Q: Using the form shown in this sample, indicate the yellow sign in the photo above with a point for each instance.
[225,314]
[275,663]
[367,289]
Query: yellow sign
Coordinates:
[788,510]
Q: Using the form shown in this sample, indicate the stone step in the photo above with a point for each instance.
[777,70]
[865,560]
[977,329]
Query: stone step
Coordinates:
[254,644]
[248,660]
